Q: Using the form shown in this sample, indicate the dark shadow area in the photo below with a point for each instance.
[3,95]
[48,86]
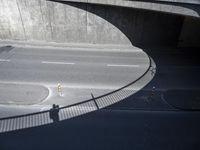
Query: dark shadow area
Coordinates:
[141,27]
[176,69]
[112,129]
[158,35]
[54,113]
[146,28]
[183,99]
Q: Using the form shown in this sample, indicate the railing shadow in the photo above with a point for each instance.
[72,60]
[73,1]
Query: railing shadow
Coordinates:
[57,114]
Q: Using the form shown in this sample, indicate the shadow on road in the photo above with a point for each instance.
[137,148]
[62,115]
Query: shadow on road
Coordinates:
[135,123]
[54,113]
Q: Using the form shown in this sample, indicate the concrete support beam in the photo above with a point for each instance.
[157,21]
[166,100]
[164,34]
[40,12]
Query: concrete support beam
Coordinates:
[180,7]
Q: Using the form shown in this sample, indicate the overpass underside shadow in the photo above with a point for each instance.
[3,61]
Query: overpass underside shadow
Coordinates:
[146,28]
[57,114]
[175,87]
[142,27]
[162,36]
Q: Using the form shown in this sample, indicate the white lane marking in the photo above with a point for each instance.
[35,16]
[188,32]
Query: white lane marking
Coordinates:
[57,63]
[4,60]
[116,65]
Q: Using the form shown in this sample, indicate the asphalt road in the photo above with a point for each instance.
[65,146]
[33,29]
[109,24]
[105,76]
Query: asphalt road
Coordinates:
[135,123]
[30,76]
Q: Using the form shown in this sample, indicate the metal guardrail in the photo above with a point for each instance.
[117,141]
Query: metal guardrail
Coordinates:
[67,112]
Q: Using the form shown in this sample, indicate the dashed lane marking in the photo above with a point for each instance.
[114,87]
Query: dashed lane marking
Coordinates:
[4,60]
[57,63]
[117,65]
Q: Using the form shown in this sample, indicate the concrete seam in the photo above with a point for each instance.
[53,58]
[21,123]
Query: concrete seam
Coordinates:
[50,22]
[87,18]
[44,26]
[21,20]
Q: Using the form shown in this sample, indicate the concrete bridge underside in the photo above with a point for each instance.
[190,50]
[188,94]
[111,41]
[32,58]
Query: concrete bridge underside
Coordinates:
[100,22]
[182,7]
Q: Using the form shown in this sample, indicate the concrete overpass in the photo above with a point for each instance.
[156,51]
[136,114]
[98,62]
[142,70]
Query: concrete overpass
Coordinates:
[113,22]
[182,7]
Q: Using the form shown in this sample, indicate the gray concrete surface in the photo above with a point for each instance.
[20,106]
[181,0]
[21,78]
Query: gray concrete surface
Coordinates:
[22,94]
[80,73]
[77,23]
[47,21]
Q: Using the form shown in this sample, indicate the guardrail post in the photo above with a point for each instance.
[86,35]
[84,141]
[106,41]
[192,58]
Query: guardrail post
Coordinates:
[95,101]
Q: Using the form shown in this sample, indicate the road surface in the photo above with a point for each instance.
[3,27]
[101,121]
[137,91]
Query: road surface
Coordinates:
[32,79]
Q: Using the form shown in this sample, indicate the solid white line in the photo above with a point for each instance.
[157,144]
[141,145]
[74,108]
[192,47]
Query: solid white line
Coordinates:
[4,60]
[115,65]
[57,63]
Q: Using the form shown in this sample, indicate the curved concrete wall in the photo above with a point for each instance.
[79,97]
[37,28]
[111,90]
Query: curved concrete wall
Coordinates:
[40,20]
[68,22]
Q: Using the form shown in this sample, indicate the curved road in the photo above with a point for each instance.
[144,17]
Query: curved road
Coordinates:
[29,77]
